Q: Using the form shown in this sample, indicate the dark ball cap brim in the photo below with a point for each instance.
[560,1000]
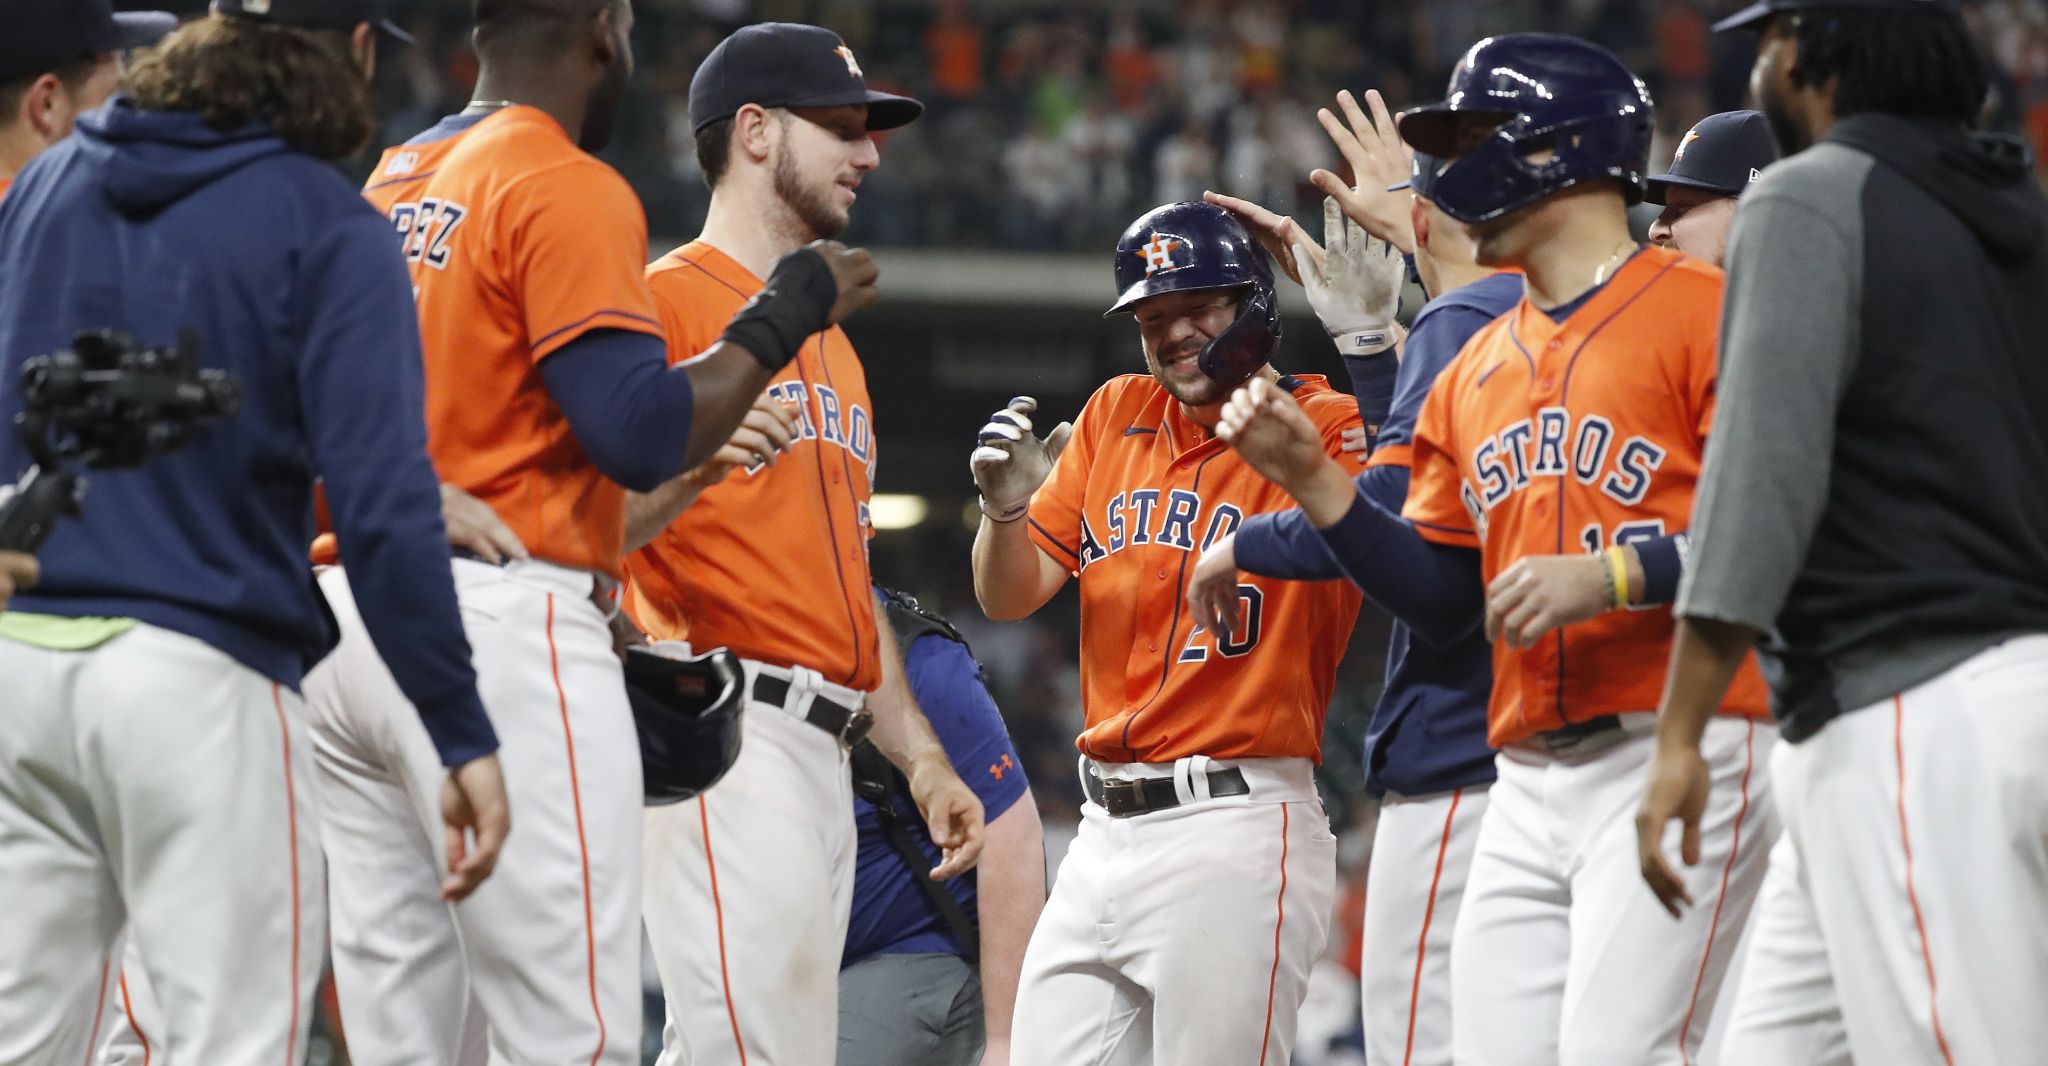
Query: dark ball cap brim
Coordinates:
[1748,16]
[138,29]
[886,111]
[1654,193]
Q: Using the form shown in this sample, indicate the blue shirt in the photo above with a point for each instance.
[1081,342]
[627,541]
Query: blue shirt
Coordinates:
[1428,733]
[890,913]
[154,222]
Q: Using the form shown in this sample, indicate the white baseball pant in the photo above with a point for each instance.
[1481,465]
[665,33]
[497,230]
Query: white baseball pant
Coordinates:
[748,889]
[1905,915]
[156,784]
[1421,858]
[1184,935]
[545,956]
[1561,955]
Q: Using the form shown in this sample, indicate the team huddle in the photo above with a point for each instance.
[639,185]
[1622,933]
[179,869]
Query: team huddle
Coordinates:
[1671,532]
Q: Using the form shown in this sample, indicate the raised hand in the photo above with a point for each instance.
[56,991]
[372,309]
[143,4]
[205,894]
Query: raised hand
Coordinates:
[1010,462]
[855,272]
[1272,433]
[1378,159]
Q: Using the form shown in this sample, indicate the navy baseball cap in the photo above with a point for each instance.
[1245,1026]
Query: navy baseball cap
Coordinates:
[43,35]
[1722,154]
[343,15]
[1763,9]
[788,64]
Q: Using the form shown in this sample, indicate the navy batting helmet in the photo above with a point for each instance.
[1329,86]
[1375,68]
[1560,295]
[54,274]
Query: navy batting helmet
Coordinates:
[1193,245]
[687,710]
[1548,93]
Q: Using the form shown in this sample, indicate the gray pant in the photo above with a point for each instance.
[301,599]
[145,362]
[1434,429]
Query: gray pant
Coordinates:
[910,1010]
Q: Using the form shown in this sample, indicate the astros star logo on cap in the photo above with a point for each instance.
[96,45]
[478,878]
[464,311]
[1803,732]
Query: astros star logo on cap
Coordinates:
[852,67]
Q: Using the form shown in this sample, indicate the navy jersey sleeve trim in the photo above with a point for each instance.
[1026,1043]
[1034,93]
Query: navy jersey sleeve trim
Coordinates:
[1052,540]
[613,312]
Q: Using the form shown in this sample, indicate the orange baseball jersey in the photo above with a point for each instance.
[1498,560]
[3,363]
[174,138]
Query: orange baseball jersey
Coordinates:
[771,562]
[1545,437]
[519,242]
[1137,495]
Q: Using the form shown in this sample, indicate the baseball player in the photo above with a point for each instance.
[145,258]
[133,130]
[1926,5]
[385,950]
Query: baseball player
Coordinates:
[1188,910]
[1426,755]
[1718,159]
[190,821]
[748,885]
[60,59]
[1871,517]
[1574,425]
[548,388]
[929,973]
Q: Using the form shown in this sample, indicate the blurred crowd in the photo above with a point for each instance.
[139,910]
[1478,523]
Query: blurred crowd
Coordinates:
[1055,121]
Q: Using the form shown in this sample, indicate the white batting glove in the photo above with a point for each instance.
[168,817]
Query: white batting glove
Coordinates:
[1010,462]
[1354,284]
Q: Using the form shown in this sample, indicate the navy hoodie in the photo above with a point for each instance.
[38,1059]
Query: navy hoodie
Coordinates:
[152,222]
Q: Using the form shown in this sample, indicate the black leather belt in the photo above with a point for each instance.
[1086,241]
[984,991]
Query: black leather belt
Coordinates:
[848,724]
[1125,799]
[1578,734]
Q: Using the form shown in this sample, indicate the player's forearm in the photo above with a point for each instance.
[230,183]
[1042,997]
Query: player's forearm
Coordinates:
[900,728]
[1010,572]
[1435,588]
[1009,893]
[1705,654]
[1324,493]
[726,380]
[648,513]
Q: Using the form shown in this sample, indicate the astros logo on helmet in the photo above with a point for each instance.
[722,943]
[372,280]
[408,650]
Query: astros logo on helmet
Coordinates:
[1159,253]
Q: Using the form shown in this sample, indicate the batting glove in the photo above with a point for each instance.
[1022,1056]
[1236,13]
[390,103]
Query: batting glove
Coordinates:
[1010,462]
[1354,286]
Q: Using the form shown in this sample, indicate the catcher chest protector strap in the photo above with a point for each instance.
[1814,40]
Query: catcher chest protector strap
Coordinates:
[878,781]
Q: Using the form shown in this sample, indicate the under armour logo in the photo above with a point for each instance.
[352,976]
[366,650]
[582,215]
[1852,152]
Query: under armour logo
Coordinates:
[846,53]
[997,768]
[1159,253]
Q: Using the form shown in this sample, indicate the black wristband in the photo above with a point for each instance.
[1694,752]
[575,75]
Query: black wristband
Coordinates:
[1663,560]
[796,302]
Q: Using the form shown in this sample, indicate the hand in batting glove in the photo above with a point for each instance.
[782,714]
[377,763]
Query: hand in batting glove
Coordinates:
[1010,462]
[1353,284]
[1354,287]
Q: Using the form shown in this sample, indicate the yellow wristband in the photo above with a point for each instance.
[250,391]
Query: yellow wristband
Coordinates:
[1618,562]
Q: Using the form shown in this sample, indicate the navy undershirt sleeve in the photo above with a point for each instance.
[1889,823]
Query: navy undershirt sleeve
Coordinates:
[1283,544]
[1663,562]
[1435,588]
[1372,385]
[628,408]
